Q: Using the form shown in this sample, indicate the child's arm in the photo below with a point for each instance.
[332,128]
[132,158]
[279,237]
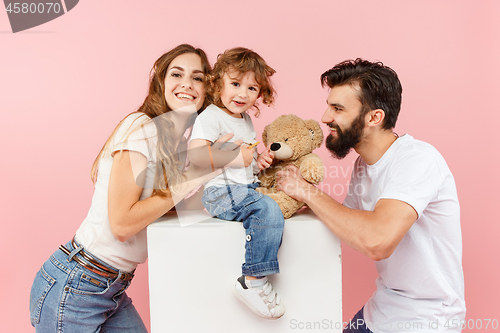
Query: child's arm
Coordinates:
[265,159]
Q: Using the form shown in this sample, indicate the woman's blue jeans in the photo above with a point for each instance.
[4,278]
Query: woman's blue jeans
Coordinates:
[262,219]
[66,297]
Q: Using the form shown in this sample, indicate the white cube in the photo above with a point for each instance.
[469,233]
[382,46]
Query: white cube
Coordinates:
[193,269]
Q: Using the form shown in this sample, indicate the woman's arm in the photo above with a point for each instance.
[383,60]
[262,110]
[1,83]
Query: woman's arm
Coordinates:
[127,214]
[203,153]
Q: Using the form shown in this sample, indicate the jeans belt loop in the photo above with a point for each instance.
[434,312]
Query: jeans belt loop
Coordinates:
[94,262]
[92,265]
[74,252]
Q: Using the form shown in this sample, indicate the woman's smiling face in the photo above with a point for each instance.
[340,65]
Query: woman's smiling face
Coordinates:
[185,82]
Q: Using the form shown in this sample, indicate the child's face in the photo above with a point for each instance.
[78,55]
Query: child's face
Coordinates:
[240,92]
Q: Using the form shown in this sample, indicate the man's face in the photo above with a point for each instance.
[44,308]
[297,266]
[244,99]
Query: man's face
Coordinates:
[343,116]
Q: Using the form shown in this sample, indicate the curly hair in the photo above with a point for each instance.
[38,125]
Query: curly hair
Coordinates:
[379,85]
[243,60]
[169,166]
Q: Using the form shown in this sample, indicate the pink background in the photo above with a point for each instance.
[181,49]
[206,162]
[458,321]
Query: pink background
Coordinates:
[66,84]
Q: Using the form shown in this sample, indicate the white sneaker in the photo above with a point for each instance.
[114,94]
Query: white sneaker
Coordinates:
[263,301]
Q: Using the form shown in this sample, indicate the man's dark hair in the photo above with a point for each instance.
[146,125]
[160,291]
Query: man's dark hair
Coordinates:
[379,86]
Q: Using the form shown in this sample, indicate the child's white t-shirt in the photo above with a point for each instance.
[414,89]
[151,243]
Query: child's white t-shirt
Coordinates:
[136,133]
[422,281]
[214,123]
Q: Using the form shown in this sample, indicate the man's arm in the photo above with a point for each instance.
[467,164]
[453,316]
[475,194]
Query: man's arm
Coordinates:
[374,233]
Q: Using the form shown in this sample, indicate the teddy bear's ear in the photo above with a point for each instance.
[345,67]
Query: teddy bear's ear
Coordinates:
[316,132]
[264,135]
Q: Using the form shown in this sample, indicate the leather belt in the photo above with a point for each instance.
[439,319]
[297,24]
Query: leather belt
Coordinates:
[94,266]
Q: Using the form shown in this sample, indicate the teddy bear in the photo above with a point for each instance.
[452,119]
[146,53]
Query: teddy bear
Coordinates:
[292,141]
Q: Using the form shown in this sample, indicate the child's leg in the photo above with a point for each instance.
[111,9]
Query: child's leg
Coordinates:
[262,219]
[263,223]
[222,201]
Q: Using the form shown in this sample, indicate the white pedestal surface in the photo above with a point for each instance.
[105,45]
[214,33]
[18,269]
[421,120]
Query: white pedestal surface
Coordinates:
[193,268]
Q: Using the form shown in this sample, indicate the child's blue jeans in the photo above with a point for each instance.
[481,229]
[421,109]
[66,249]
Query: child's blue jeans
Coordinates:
[262,220]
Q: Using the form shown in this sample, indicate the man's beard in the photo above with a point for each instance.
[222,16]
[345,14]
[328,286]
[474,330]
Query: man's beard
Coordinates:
[346,139]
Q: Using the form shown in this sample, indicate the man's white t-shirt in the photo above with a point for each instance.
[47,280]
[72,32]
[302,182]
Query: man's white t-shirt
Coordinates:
[136,133]
[420,287]
[214,123]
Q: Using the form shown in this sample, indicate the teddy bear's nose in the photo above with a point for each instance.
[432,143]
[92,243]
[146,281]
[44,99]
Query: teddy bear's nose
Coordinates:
[275,146]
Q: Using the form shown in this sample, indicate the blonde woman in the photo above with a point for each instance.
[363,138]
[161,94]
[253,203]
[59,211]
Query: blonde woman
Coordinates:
[139,175]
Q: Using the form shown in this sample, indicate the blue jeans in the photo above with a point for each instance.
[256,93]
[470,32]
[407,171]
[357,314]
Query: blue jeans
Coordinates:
[66,297]
[357,324]
[262,220]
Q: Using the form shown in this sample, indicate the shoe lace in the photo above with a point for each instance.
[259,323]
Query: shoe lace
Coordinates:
[269,296]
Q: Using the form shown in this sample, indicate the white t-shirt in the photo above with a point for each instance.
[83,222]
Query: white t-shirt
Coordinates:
[420,287]
[213,123]
[136,133]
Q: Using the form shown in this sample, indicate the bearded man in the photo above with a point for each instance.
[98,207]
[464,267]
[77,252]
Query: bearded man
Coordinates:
[401,209]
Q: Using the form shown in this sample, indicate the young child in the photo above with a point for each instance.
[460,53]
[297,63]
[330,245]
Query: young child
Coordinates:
[240,77]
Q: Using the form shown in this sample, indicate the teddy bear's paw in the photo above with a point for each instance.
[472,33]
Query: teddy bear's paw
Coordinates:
[287,204]
[290,209]
[312,170]
[267,177]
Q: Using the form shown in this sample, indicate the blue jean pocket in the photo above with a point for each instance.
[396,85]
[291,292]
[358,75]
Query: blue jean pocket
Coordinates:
[91,284]
[39,290]
[88,283]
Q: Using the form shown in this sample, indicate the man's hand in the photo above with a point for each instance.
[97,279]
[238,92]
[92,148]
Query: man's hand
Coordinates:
[290,181]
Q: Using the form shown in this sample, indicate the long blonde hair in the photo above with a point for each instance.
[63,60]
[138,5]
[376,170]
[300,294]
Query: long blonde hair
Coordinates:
[168,163]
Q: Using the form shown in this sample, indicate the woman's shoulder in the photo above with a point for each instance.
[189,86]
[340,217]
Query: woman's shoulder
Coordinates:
[135,119]
[136,125]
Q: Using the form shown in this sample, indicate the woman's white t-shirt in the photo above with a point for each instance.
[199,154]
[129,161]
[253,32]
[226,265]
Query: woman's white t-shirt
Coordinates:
[136,133]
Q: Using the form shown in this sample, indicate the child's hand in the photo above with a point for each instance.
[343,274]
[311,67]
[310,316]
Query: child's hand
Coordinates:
[247,154]
[265,159]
